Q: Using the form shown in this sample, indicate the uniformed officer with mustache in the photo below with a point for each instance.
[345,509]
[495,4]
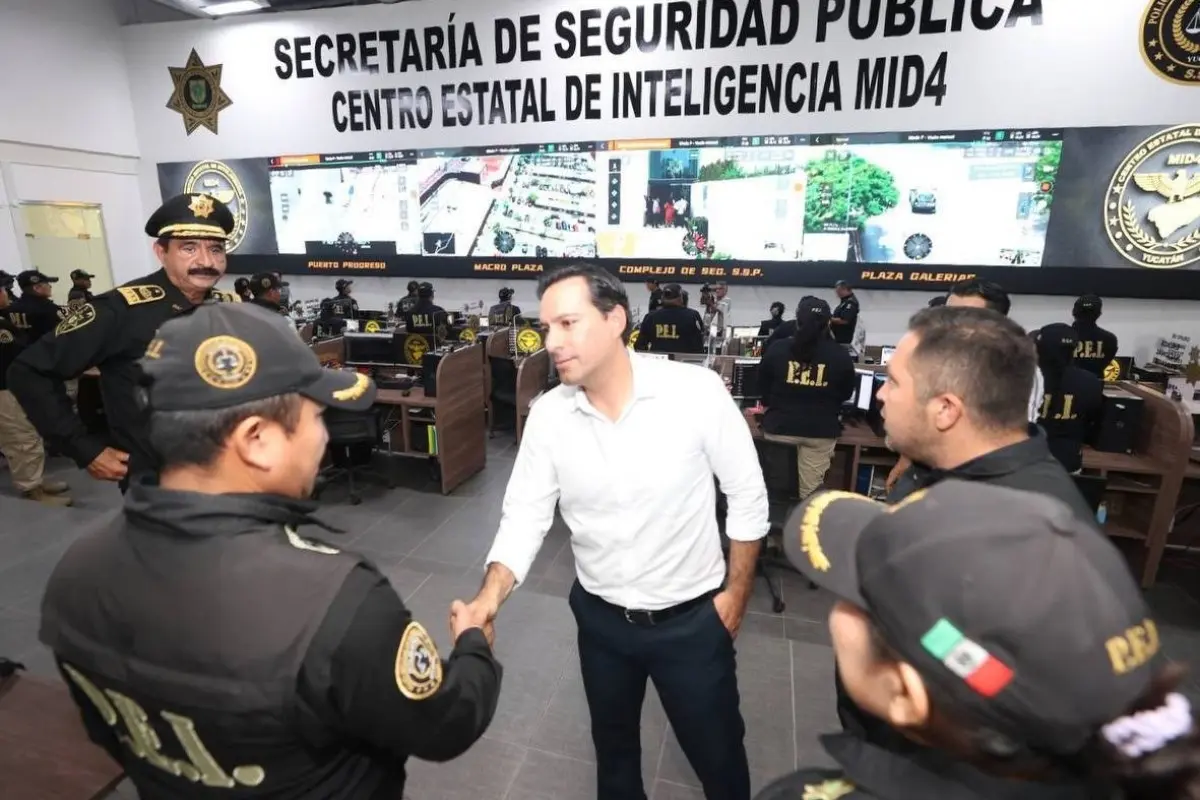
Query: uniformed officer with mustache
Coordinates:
[112,332]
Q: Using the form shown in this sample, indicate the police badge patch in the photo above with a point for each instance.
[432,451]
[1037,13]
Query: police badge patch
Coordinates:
[77,317]
[418,666]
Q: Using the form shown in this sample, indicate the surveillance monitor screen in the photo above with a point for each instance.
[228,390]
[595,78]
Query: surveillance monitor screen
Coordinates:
[968,197]
[866,383]
[721,198]
[351,204]
[537,201]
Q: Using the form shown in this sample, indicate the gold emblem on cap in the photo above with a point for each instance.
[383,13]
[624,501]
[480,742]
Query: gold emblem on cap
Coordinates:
[202,206]
[418,666]
[529,341]
[361,384]
[225,362]
[1152,209]
[415,348]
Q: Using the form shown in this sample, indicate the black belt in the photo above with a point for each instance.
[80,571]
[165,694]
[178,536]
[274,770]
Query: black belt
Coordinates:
[649,619]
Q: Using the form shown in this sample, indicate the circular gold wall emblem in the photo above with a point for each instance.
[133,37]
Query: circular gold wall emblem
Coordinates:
[371,327]
[633,337]
[529,341]
[1170,39]
[467,335]
[224,362]
[216,179]
[415,348]
[1152,208]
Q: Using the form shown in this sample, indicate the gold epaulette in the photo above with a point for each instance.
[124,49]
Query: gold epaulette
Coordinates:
[220,296]
[141,293]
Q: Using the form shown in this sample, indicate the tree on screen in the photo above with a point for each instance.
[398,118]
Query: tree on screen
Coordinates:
[1047,169]
[730,169]
[844,191]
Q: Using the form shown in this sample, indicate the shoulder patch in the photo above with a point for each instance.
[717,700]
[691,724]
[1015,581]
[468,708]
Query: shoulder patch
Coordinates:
[77,317]
[6,336]
[418,666]
[300,543]
[142,293]
[829,790]
[220,296]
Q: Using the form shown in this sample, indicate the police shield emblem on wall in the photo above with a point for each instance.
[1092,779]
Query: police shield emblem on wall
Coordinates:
[197,95]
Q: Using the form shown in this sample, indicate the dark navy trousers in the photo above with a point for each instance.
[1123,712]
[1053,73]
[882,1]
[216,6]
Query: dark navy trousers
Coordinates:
[690,658]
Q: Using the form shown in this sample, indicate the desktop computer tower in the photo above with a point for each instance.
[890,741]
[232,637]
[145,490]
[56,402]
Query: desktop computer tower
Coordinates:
[1120,421]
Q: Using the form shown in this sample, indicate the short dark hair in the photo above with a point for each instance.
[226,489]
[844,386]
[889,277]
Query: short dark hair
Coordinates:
[980,356]
[606,291]
[196,438]
[992,293]
[939,300]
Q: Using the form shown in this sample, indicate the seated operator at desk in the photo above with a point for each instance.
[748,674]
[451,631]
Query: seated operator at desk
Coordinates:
[1073,399]
[803,382]
[426,317]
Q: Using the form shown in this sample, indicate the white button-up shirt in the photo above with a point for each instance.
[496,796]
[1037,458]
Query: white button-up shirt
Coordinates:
[638,493]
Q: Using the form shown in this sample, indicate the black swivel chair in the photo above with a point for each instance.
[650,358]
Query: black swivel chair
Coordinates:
[353,436]
[504,389]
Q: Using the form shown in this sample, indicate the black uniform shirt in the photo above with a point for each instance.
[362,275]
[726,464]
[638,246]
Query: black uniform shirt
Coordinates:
[335,720]
[768,326]
[846,310]
[270,305]
[868,772]
[805,401]
[1095,348]
[502,314]
[425,318]
[112,332]
[406,305]
[655,300]
[79,295]
[12,342]
[1071,414]
[35,315]
[785,330]
[671,329]
[340,307]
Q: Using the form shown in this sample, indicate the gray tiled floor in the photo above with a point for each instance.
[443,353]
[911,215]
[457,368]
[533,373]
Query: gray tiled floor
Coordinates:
[432,548]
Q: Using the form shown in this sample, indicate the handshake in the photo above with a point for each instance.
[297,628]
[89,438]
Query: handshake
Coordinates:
[465,616]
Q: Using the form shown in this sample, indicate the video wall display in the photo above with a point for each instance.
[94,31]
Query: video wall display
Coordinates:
[888,208]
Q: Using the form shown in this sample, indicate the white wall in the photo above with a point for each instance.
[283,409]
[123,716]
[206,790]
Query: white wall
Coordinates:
[64,80]
[10,250]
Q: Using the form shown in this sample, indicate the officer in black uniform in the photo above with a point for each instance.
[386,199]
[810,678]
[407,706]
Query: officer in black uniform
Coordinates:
[1096,347]
[845,316]
[241,288]
[1004,638]
[266,288]
[406,304]
[112,333]
[285,291]
[81,289]
[768,326]
[426,317]
[1073,399]
[35,311]
[504,312]
[671,328]
[342,306]
[655,295]
[265,663]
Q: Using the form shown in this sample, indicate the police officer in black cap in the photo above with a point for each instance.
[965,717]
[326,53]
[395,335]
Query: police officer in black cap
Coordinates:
[1004,638]
[264,663]
[81,289]
[112,332]
[241,287]
[1095,347]
[342,306]
[504,312]
[426,317]
[407,303]
[35,311]
[266,289]
[671,328]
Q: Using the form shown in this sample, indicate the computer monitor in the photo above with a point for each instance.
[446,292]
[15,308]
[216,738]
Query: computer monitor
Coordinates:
[865,393]
[745,379]
[369,348]
[885,354]
[372,314]
[744,332]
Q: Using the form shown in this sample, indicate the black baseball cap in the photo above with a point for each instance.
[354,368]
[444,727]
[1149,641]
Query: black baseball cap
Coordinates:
[812,306]
[226,354]
[264,282]
[31,277]
[191,216]
[1091,302]
[1056,336]
[81,274]
[672,291]
[342,283]
[1012,608]
[6,280]
[424,289]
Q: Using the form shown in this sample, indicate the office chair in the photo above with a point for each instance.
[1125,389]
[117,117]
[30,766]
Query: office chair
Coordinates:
[504,388]
[353,436]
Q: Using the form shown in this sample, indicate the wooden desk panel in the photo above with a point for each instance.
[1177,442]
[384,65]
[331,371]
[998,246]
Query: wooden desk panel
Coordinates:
[533,376]
[45,753]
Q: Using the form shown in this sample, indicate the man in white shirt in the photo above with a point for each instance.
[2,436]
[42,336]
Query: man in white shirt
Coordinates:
[653,597]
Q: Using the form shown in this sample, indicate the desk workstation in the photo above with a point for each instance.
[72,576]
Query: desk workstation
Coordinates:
[518,372]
